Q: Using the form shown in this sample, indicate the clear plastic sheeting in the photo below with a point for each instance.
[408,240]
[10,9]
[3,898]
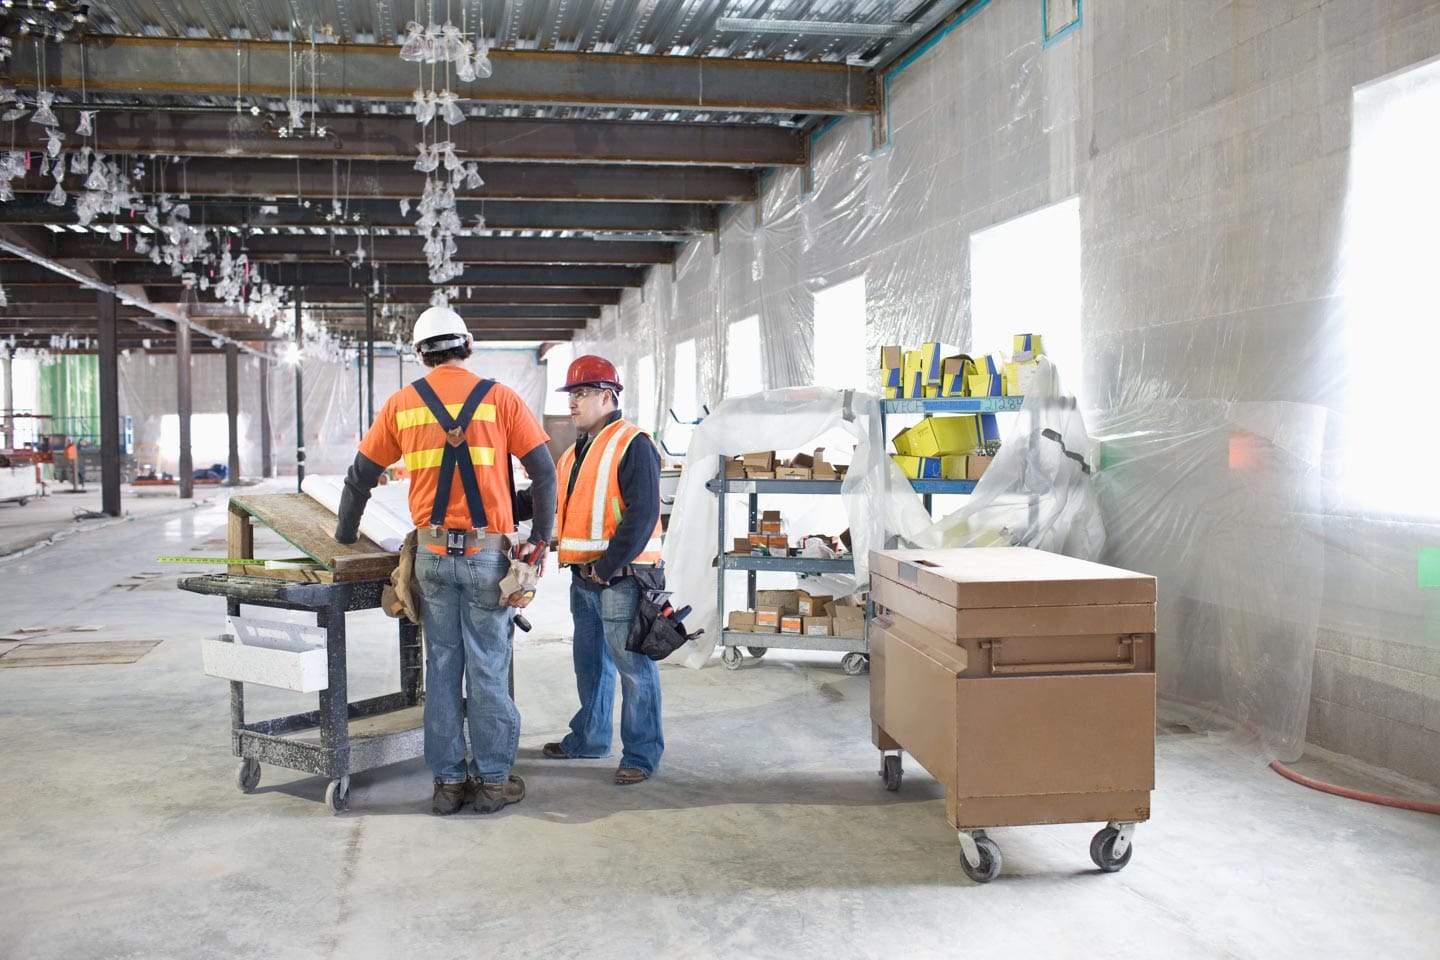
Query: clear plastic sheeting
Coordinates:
[774,420]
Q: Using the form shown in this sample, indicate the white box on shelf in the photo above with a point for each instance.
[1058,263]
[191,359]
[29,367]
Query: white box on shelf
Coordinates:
[274,653]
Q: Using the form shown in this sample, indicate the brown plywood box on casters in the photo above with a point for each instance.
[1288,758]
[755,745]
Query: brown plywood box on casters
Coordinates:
[1023,681]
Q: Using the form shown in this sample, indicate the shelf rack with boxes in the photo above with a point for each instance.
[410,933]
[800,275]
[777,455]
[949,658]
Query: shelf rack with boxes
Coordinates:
[757,645]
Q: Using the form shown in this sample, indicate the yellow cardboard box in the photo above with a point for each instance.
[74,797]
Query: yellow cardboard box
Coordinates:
[1026,346]
[1020,378]
[986,385]
[937,436]
[953,467]
[918,468]
[955,373]
[913,381]
[932,357]
[904,441]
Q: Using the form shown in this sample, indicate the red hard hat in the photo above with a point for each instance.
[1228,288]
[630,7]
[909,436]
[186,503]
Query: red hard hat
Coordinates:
[590,370]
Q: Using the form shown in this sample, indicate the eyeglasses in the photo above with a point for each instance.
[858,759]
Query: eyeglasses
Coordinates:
[580,393]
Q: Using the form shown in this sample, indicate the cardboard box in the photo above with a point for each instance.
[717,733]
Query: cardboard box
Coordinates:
[770,521]
[757,542]
[759,474]
[786,600]
[768,616]
[762,460]
[792,624]
[741,621]
[734,470]
[812,605]
[904,443]
[792,473]
[918,468]
[989,429]
[1020,378]
[932,356]
[986,385]
[986,363]
[848,622]
[913,377]
[823,471]
[777,543]
[817,626]
[741,546]
[892,393]
[953,467]
[937,436]
[892,365]
[955,373]
[930,391]
[975,466]
[1026,346]
[971,579]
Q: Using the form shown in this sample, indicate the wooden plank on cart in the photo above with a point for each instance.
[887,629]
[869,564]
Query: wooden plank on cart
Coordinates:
[309,527]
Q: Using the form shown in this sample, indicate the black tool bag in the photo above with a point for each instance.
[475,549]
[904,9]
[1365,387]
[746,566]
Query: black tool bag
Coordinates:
[657,630]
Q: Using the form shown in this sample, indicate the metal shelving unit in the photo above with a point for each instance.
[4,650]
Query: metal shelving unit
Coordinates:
[856,649]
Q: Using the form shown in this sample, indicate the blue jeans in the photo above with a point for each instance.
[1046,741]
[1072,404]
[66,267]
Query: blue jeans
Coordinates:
[467,638]
[602,622]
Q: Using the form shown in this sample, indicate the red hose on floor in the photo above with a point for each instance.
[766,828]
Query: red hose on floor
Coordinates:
[1350,794]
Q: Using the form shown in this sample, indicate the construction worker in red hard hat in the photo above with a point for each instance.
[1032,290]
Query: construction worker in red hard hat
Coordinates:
[456,434]
[608,526]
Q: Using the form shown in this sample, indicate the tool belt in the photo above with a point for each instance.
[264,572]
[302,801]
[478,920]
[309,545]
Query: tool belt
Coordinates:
[460,543]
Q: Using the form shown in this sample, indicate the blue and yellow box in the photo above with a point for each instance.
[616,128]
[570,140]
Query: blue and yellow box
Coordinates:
[918,468]
[913,380]
[892,364]
[955,373]
[932,357]
[1026,346]
[986,385]
[989,428]
[939,436]
[954,467]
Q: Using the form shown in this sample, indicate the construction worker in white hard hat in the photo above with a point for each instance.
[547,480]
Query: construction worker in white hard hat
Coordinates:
[456,433]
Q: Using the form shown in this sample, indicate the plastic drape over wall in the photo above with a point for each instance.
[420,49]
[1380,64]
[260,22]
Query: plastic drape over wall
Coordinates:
[1209,148]
[332,414]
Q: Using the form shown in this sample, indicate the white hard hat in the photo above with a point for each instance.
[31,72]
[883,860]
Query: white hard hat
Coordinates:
[443,327]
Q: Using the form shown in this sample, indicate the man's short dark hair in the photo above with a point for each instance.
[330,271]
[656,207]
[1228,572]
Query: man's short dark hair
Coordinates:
[444,356]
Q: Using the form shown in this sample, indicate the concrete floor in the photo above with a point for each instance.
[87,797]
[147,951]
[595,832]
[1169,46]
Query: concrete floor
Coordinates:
[766,833]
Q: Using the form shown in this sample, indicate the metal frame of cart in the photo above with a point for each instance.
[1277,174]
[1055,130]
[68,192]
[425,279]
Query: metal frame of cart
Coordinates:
[339,738]
[856,649]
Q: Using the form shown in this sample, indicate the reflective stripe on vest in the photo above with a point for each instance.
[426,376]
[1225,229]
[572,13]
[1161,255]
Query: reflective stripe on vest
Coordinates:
[585,536]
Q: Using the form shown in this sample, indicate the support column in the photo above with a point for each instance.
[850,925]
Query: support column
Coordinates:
[369,363]
[109,404]
[267,456]
[8,359]
[299,396]
[359,392]
[232,410]
[185,471]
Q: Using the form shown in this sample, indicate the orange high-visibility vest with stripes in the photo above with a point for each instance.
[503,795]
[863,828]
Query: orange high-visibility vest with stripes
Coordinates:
[588,516]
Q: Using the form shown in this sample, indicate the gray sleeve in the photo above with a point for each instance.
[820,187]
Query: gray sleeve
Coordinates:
[361,478]
[541,467]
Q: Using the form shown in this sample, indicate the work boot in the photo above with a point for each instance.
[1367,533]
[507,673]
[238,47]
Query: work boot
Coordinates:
[450,797]
[490,797]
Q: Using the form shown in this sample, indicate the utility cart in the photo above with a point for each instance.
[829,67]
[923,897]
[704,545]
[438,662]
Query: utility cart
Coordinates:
[1024,682]
[339,738]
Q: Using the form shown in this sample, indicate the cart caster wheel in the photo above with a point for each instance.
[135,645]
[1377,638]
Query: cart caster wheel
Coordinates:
[247,775]
[1102,850]
[757,652]
[337,795]
[891,771]
[730,656]
[24,500]
[989,866]
[855,664]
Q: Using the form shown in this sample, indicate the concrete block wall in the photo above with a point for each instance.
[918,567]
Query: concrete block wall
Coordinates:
[1208,144]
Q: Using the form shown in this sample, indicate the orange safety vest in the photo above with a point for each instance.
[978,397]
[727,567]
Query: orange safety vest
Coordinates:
[588,516]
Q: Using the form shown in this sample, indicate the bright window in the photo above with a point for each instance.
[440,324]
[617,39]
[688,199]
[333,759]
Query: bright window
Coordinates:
[743,372]
[839,336]
[1025,278]
[645,411]
[557,362]
[683,399]
[209,440]
[1388,285]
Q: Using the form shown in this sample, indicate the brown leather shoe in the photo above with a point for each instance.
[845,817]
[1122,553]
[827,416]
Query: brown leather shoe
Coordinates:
[625,776]
[450,797]
[554,751]
[490,797]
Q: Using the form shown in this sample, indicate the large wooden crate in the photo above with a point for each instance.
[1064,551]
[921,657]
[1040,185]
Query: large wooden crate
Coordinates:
[1022,680]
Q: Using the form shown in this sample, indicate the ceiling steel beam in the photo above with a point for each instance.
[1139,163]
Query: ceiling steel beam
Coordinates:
[403,274]
[322,181]
[157,65]
[590,216]
[415,295]
[307,250]
[224,133]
